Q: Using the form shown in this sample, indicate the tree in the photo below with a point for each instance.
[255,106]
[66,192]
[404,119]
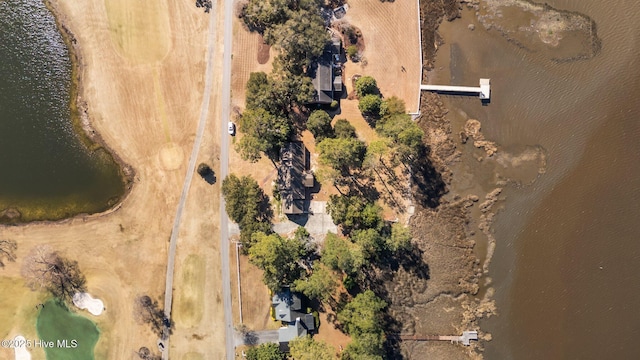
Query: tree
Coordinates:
[340,254]
[320,285]
[366,85]
[370,241]
[301,38]
[306,348]
[400,239]
[258,90]
[343,129]
[404,133]
[364,314]
[376,150]
[342,154]
[266,351]
[392,106]
[319,124]
[44,268]
[244,198]
[258,15]
[369,106]
[278,257]
[366,346]
[263,132]
[145,354]
[354,212]
[352,52]
[147,311]
[247,205]
[7,251]
[303,236]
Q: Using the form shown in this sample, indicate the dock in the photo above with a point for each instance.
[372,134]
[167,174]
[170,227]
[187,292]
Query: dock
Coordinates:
[465,339]
[484,90]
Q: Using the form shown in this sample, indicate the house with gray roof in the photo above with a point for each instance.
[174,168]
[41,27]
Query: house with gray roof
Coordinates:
[326,74]
[294,178]
[288,308]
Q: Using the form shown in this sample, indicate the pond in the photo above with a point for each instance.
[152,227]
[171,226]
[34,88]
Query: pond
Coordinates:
[49,172]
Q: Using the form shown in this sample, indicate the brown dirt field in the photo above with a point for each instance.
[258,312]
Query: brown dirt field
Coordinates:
[328,333]
[248,52]
[256,298]
[144,94]
[391,35]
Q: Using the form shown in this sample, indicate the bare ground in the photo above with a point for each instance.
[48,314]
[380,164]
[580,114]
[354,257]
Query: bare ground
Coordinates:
[391,35]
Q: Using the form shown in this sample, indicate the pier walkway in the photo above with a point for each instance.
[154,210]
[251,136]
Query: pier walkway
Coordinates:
[465,339]
[484,90]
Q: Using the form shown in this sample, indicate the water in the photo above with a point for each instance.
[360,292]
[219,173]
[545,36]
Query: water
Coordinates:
[46,171]
[72,337]
[567,257]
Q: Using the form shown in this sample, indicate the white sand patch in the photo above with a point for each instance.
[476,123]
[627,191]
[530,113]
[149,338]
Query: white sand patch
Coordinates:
[85,301]
[21,352]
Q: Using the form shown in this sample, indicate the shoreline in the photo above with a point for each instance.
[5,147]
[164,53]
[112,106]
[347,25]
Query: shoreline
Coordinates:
[83,129]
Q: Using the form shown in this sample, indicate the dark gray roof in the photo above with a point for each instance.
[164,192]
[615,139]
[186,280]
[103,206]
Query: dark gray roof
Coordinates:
[291,177]
[322,74]
[322,81]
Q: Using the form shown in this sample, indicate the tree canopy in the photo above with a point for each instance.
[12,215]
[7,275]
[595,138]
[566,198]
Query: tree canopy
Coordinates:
[364,314]
[367,346]
[343,129]
[263,132]
[392,106]
[342,154]
[366,85]
[400,238]
[319,124]
[319,285]
[354,212]
[278,257]
[266,351]
[260,14]
[340,254]
[369,106]
[247,205]
[306,348]
[7,251]
[370,241]
[46,269]
[403,132]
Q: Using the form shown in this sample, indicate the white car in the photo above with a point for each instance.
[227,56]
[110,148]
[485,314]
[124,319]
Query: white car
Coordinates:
[231,128]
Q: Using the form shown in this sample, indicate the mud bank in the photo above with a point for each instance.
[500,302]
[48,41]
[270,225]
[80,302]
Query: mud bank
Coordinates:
[561,35]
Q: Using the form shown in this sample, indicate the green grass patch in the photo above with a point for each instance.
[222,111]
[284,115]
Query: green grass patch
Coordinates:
[68,336]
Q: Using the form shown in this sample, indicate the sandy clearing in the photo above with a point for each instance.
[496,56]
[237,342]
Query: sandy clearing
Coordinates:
[391,36]
[123,252]
[86,301]
[21,352]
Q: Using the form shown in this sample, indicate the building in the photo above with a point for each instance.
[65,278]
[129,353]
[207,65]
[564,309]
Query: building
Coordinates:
[294,178]
[288,308]
[326,74]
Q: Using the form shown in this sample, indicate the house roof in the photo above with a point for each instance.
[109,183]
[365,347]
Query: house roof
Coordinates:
[290,332]
[291,181]
[286,306]
[321,73]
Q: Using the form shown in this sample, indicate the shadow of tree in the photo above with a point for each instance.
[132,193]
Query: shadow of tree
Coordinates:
[427,181]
